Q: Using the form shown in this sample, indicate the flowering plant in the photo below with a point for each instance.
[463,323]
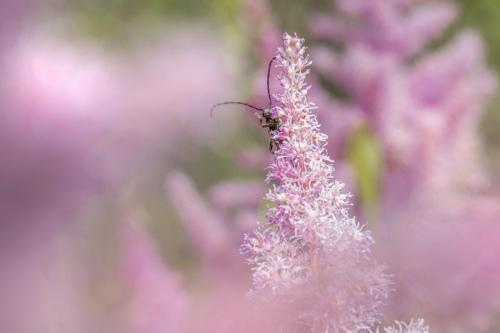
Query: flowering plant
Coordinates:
[311,252]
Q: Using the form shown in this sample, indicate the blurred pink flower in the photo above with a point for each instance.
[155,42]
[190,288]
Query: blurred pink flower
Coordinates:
[67,127]
[386,26]
[425,114]
[214,234]
[446,264]
[157,303]
[50,130]
[76,121]
[49,173]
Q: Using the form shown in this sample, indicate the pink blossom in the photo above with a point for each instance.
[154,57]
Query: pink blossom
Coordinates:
[386,26]
[209,231]
[311,251]
[75,121]
[424,115]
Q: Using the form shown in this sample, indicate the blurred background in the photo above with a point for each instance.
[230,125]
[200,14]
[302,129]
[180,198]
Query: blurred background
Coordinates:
[123,202]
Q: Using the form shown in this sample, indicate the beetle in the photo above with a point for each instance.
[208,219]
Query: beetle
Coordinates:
[267,118]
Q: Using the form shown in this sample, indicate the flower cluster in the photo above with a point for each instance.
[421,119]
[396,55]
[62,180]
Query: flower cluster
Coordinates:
[311,251]
[421,107]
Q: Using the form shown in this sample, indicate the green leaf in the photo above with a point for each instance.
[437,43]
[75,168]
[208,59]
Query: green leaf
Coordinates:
[366,159]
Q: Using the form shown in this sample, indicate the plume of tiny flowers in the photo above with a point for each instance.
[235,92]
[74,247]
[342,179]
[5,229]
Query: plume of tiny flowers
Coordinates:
[422,105]
[311,252]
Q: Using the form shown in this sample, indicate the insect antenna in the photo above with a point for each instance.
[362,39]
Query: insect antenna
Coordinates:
[233,102]
[268,76]
[269,66]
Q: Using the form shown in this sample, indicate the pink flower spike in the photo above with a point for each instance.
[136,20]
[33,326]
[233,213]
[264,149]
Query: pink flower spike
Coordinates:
[209,231]
[203,225]
[311,253]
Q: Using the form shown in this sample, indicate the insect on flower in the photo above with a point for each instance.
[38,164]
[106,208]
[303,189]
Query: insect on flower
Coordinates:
[267,117]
